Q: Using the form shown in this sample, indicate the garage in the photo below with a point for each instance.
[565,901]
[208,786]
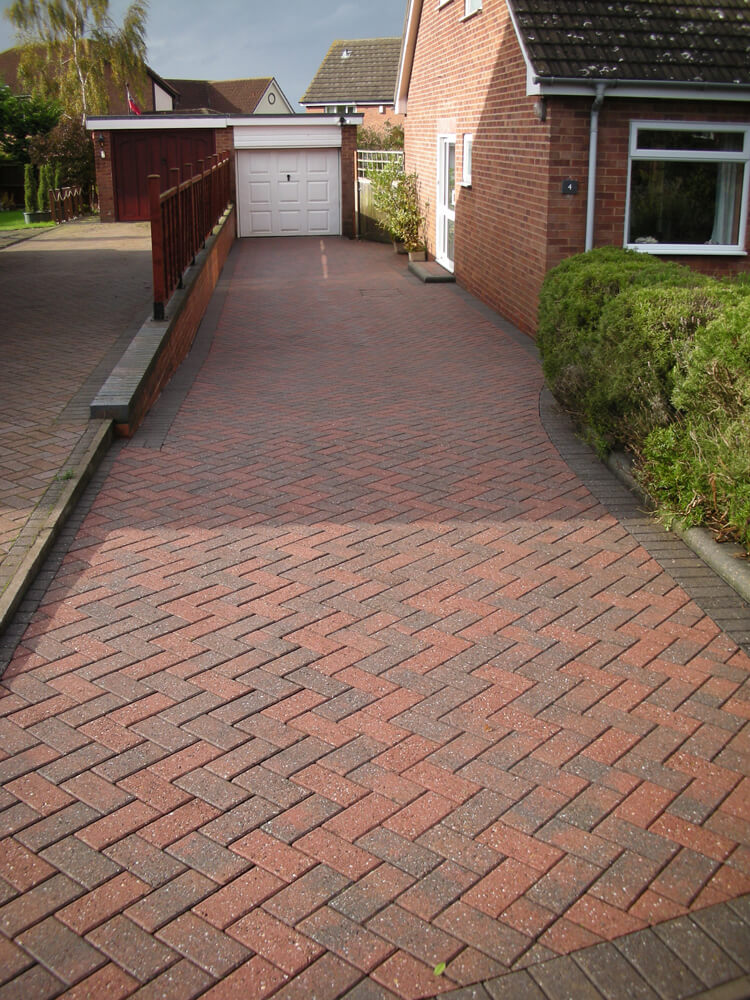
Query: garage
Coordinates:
[289,178]
[292,192]
[294,175]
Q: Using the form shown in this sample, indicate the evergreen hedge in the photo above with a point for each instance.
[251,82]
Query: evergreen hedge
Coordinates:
[652,357]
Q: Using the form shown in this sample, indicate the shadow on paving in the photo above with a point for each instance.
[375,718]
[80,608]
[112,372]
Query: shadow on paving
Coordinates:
[345,674]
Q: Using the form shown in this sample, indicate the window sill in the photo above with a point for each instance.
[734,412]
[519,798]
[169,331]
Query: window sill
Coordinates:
[468,17]
[466,185]
[680,249]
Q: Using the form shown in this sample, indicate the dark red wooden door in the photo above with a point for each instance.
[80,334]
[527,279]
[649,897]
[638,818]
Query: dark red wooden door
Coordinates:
[138,154]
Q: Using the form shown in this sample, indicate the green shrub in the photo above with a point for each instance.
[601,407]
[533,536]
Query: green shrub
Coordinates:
[29,188]
[642,343]
[45,183]
[699,467]
[571,302]
[395,196]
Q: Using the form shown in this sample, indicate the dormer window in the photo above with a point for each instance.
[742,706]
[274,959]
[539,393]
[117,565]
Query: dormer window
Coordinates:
[346,53]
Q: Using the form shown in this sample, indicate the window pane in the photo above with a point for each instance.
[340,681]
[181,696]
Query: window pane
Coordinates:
[704,141]
[471,5]
[679,202]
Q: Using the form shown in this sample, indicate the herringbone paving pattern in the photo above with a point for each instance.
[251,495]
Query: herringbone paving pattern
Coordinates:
[69,296]
[353,677]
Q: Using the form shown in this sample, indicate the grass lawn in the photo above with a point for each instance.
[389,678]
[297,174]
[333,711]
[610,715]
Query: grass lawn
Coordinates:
[14,220]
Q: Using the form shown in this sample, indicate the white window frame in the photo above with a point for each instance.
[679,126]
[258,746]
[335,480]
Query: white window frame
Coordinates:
[340,109]
[442,3]
[691,156]
[466,154]
[472,7]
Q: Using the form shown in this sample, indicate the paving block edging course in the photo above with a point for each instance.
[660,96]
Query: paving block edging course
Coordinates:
[61,506]
[726,559]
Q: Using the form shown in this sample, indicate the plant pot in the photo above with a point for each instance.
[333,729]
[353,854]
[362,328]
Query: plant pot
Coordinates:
[399,247]
[29,217]
[420,254]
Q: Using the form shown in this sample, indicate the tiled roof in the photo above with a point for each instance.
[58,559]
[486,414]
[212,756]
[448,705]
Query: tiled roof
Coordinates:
[702,41]
[225,96]
[367,73]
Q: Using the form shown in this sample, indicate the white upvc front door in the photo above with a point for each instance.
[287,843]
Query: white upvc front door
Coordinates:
[445,214]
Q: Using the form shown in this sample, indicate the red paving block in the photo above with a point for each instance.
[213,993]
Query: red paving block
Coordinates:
[257,978]
[514,844]
[237,898]
[101,903]
[21,867]
[117,825]
[496,891]
[279,944]
[347,939]
[410,979]
[337,853]
[179,822]
[273,855]
[360,817]
[329,784]
[39,794]
[108,981]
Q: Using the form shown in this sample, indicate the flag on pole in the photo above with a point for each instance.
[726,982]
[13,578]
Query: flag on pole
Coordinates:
[133,108]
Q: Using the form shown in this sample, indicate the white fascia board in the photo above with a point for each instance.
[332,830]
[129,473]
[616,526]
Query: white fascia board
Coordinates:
[294,121]
[640,91]
[406,59]
[142,123]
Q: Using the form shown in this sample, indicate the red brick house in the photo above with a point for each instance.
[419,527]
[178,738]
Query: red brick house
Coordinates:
[539,129]
[357,76]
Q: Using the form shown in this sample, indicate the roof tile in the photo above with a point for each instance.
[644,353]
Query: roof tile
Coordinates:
[702,41]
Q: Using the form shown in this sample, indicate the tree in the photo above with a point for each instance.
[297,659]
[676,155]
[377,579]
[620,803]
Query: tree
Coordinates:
[68,146]
[73,50]
[22,118]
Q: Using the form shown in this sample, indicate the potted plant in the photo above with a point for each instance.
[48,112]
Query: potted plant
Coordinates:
[396,199]
[33,190]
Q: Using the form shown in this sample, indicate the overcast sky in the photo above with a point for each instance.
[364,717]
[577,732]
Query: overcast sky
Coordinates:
[229,39]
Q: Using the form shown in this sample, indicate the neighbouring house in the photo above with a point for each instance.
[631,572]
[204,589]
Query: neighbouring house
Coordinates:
[541,129]
[357,76]
[259,96]
[151,92]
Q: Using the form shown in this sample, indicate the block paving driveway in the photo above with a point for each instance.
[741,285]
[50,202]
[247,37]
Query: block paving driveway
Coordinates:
[347,675]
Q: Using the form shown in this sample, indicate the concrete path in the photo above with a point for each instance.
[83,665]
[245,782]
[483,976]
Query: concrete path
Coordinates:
[348,686]
[72,298]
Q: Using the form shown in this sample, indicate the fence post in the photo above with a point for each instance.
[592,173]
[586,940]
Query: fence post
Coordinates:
[157,244]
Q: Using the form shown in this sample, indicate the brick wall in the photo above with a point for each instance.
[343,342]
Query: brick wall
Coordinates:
[104,175]
[514,222]
[469,77]
[348,179]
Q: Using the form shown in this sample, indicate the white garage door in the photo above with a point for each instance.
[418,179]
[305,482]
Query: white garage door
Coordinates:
[289,192]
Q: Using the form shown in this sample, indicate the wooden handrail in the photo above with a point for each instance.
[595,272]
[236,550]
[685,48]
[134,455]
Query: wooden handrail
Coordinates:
[182,219]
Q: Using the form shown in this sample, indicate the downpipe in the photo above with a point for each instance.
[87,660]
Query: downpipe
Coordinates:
[593,144]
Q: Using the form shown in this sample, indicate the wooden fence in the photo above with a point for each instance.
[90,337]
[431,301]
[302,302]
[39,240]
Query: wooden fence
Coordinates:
[66,203]
[182,219]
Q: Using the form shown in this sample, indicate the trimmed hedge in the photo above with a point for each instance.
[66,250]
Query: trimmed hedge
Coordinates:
[650,356]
